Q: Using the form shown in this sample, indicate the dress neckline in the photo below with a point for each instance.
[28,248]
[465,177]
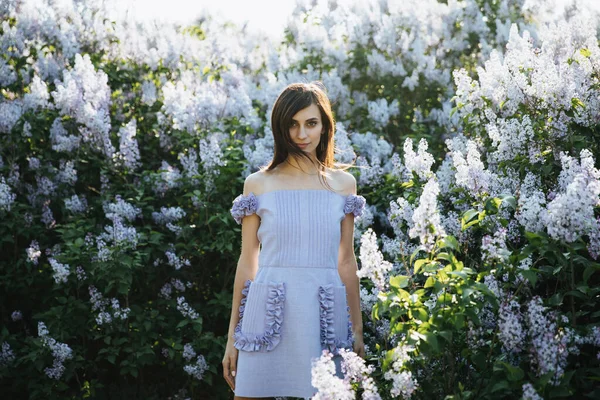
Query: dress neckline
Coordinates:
[299,190]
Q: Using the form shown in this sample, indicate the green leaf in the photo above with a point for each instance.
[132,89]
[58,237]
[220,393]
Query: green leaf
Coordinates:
[182,323]
[467,217]
[431,339]
[530,275]
[399,281]
[449,242]
[419,264]
[430,282]
[514,373]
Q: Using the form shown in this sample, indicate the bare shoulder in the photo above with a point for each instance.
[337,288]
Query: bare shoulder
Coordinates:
[345,181]
[254,183]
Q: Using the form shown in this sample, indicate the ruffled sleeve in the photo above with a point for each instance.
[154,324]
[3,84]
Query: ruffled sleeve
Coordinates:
[243,205]
[355,204]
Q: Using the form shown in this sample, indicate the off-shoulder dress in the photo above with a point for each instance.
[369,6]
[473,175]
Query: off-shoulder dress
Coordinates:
[296,305]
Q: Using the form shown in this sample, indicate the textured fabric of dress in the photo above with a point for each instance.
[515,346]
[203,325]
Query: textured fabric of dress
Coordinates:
[296,305]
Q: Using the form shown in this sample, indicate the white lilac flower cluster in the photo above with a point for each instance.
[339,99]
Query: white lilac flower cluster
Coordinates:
[7,197]
[61,271]
[76,204]
[380,111]
[61,140]
[212,157]
[117,234]
[101,305]
[356,371]
[16,315]
[493,247]
[529,393]
[420,162]
[167,216]
[33,252]
[185,309]
[176,262]
[7,356]
[128,156]
[167,289]
[372,264]
[426,218]
[84,94]
[60,351]
[549,344]
[168,177]
[198,368]
[258,152]
[570,214]
[470,171]
[324,379]
[511,331]
[188,351]
[403,382]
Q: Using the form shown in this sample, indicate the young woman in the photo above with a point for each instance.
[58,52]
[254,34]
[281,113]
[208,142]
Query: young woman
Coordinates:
[296,292]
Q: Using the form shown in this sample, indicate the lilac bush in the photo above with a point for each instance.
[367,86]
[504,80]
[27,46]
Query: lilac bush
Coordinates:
[471,124]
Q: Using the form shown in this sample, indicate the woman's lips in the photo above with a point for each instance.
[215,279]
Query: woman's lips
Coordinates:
[303,145]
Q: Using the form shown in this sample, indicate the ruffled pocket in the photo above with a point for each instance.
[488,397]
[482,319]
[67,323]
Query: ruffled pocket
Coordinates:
[261,316]
[336,327]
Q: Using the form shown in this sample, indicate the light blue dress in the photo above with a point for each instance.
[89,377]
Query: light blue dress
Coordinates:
[296,305]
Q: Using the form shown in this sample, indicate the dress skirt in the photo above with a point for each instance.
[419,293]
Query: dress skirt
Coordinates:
[285,369]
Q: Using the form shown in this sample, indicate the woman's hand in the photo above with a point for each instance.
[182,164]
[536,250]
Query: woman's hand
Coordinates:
[230,364]
[359,345]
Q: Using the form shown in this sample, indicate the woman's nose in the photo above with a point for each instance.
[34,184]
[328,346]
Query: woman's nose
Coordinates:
[302,132]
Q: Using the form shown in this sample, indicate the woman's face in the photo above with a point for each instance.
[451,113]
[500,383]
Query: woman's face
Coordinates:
[306,128]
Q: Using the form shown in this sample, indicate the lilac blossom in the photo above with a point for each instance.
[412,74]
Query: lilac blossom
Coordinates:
[324,379]
[7,356]
[420,162]
[76,204]
[10,112]
[84,94]
[175,261]
[60,138]
[198,368]
[493,248]
[403,382]
[470,171]
[129,154]
[7,197]
[38,95]
[185,309]
[60,351]
[106,314]
[529,393]
[188,351]
[511,331]
[61,271]
[148,93]
[33,252]
[372,264]
[16,315]
[426,217]
[120,209]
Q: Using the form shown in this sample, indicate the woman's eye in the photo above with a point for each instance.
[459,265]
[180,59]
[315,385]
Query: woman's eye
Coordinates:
[312,123]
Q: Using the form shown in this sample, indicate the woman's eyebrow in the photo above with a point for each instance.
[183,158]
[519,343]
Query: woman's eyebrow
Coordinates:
[308,120]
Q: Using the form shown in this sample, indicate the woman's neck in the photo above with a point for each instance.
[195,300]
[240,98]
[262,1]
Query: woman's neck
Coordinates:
[298,166]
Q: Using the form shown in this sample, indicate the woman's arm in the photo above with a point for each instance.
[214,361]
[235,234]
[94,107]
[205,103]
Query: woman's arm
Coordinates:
[247,267]
[347,268]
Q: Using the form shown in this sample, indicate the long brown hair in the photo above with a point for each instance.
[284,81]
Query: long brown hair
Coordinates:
[293,98]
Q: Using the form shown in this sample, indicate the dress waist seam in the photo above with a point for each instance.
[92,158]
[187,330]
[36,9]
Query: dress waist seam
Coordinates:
[297,266]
